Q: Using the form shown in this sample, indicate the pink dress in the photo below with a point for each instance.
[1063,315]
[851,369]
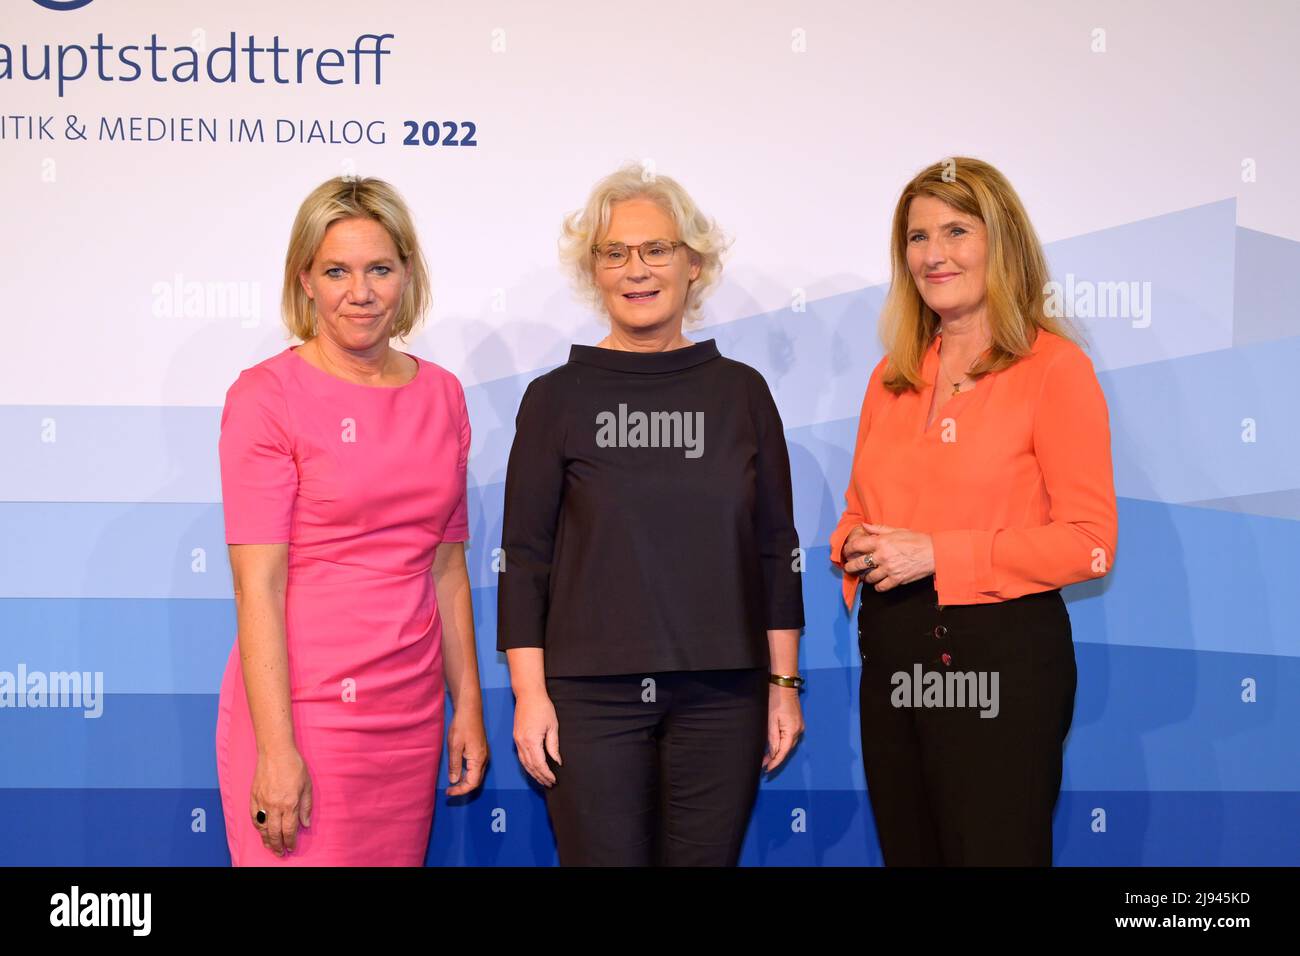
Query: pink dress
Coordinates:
[363,482]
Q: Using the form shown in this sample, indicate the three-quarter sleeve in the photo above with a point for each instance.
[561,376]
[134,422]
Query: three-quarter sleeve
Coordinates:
[1071,440]
[533,495]
[778,540]
[854,512]
[457,527]
[259,476]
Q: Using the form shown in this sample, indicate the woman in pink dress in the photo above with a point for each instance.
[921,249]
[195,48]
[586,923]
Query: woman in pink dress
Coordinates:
[343,465]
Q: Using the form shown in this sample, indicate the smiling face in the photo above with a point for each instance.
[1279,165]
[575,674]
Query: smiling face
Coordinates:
[947,251]
[356,281]
[638,297]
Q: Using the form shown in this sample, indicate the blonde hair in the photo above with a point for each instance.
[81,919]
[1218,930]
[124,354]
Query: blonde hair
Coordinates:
[584,228]
[345,197]
[1016,274]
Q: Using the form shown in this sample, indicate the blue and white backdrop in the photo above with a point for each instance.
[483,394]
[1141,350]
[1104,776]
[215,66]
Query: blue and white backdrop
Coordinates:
[154,154]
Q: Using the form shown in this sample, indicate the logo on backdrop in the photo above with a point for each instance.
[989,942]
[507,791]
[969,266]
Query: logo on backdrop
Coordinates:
[61,4]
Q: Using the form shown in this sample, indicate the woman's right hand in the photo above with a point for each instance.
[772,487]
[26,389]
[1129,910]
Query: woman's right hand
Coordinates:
[537,733]
[281,788]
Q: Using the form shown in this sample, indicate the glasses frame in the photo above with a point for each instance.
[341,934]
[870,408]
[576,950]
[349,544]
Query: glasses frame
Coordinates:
[595,251]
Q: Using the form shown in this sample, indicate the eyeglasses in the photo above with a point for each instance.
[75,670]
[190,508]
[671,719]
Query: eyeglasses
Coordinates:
[653,252]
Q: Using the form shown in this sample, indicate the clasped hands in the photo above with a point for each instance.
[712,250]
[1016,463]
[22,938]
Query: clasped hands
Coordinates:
[897,555]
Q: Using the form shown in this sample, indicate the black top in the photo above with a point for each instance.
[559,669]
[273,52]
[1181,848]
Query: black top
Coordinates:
[648,517]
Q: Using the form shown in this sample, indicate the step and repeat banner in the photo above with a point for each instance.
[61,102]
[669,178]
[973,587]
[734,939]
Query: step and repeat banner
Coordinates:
[155,153]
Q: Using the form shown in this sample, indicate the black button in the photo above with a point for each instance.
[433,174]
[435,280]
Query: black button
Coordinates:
[941,632]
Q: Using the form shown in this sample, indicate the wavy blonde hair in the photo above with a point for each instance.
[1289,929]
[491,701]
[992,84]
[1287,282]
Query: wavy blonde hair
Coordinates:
[345,197]
[585,227]
[1015,278]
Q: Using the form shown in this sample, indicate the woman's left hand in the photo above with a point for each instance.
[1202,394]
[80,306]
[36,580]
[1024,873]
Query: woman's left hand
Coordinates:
[900,557]
[784,724]
[466,739]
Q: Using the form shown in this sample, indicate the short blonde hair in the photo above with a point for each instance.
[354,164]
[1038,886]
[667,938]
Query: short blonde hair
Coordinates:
[585,227]
[1016,274]
[347,197]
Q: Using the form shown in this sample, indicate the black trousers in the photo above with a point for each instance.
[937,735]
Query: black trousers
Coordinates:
[662,773]
[948,786]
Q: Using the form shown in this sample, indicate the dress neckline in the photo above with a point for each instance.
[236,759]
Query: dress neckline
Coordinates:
[419,368]
[931,389]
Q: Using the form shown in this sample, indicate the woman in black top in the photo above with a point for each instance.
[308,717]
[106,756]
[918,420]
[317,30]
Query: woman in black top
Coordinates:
[650,601]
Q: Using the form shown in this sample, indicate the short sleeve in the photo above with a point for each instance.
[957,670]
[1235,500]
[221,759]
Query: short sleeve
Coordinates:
[457,527]
[259,476]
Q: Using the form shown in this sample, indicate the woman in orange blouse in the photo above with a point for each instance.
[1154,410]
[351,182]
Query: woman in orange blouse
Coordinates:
[981,485]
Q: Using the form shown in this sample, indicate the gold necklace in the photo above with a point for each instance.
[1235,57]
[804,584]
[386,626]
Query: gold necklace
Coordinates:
[956,385]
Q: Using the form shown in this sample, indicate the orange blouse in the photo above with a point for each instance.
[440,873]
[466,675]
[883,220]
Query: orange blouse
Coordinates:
[1012,480]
